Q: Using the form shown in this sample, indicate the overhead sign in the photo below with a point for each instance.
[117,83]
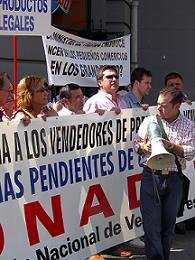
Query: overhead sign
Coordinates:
[63,4]
[18,17]
[74,59]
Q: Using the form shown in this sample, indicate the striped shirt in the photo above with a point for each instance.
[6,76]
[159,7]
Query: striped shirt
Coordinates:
[180,132]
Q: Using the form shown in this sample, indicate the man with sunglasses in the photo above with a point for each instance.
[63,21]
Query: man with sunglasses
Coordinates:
[5,87]
[107,98]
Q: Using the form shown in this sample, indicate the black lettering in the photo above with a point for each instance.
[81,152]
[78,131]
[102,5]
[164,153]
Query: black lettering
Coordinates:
[98,134]
[5,149]
[72,137]
[35,143]
[29,154]
[110,138]
[43,256]
[44,148]
[56,67]
[79,131]
[85,135]
[92,135]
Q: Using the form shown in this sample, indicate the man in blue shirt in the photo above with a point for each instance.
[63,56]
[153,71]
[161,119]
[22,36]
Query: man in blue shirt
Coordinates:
[140,87]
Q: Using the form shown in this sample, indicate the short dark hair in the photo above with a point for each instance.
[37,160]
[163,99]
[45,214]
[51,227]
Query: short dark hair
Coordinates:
[177,95]
[65,92]
[101,69]
[138,74]
[172,75]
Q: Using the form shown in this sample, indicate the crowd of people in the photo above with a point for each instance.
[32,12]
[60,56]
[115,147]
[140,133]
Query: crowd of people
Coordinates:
[159,217]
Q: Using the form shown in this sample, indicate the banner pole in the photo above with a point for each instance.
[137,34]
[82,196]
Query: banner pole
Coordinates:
[15,70]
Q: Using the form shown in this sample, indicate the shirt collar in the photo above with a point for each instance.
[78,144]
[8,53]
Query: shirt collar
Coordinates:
[175,121]
[133,98]
[106,94]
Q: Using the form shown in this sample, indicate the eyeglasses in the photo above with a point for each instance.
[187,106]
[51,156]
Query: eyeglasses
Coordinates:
[112,76]
[41,90]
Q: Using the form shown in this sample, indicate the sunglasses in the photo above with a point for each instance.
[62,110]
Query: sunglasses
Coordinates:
[112,76]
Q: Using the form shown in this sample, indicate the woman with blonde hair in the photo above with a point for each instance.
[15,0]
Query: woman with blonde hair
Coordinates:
[32,99]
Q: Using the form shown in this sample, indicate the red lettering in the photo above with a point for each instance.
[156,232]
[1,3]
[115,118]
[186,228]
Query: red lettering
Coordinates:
[103,206]
[2,240]
[34,210]
[132,192]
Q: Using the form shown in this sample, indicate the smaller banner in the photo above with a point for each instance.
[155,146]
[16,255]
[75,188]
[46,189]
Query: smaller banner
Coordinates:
[74,59]
[25,17]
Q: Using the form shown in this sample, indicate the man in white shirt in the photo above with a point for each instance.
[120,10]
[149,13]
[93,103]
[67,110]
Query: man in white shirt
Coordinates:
[71,97]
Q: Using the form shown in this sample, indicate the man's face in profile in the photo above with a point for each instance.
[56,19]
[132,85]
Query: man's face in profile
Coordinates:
[4,92]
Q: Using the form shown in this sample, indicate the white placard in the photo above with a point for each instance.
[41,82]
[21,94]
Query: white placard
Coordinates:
[19,17]
[72,59]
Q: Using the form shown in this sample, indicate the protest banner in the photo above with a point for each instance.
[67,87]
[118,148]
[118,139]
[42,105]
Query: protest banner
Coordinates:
[69,186]
[74,59]
[18,17]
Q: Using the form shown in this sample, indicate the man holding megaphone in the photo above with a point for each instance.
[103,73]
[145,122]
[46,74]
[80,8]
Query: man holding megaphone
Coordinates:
[165,142]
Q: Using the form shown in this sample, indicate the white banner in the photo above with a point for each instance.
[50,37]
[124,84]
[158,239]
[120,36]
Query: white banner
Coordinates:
[18,17]
[69,187]
[74,59]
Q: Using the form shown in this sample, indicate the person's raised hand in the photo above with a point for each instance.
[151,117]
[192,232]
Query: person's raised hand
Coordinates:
[117,110]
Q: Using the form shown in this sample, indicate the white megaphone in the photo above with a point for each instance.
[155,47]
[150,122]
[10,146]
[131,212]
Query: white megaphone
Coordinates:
[160,158]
